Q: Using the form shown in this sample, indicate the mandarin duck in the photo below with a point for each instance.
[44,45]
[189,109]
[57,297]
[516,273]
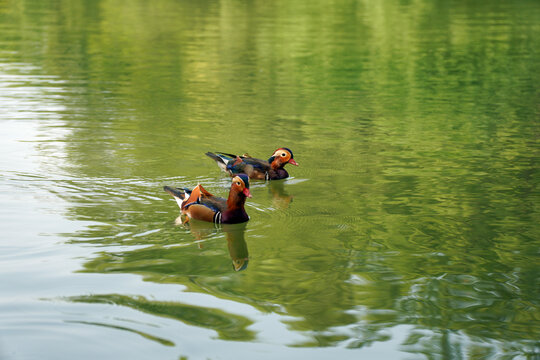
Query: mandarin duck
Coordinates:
[199,204]
[273,169]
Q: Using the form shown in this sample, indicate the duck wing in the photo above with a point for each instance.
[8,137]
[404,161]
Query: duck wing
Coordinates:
[215,203]
[248,165]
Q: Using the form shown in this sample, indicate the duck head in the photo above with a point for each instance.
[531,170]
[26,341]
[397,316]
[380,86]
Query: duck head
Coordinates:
[240,183]
[281,157]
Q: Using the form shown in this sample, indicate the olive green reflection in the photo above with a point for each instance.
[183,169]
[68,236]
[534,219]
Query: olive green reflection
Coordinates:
[234,233]
[228,326]
[416,124]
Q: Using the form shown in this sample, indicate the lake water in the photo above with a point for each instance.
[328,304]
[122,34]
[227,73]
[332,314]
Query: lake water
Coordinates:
[410,230]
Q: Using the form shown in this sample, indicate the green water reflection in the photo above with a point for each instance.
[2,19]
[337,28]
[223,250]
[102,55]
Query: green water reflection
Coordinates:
[228,326]
[415,124]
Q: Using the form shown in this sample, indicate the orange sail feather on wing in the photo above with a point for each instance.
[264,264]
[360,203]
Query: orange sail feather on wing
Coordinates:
[195,195]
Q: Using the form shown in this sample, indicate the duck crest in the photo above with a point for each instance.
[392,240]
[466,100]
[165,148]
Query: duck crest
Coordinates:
[245,179]
[289,150]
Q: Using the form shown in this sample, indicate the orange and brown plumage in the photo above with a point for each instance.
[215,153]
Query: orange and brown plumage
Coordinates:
[199,204]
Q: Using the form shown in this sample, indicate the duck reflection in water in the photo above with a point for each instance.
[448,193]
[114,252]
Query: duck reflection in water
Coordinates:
[234,233]
[281,199]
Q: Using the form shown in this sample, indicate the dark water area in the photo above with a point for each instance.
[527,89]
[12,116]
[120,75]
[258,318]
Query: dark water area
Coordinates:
[409,230]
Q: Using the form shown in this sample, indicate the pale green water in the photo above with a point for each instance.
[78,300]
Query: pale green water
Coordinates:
[409,231]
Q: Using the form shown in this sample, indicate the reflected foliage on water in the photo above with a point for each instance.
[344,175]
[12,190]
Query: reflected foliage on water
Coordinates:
[415,124]
[228,326]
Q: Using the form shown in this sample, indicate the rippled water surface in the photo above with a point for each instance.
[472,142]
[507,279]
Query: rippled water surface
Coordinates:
[409,230]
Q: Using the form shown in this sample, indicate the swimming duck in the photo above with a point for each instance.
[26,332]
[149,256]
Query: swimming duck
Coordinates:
[201,205]
[273,169]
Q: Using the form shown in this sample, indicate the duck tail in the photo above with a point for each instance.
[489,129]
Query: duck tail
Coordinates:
[178,194]
[175,192]
[231,156]
[220,159]
[215,157]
